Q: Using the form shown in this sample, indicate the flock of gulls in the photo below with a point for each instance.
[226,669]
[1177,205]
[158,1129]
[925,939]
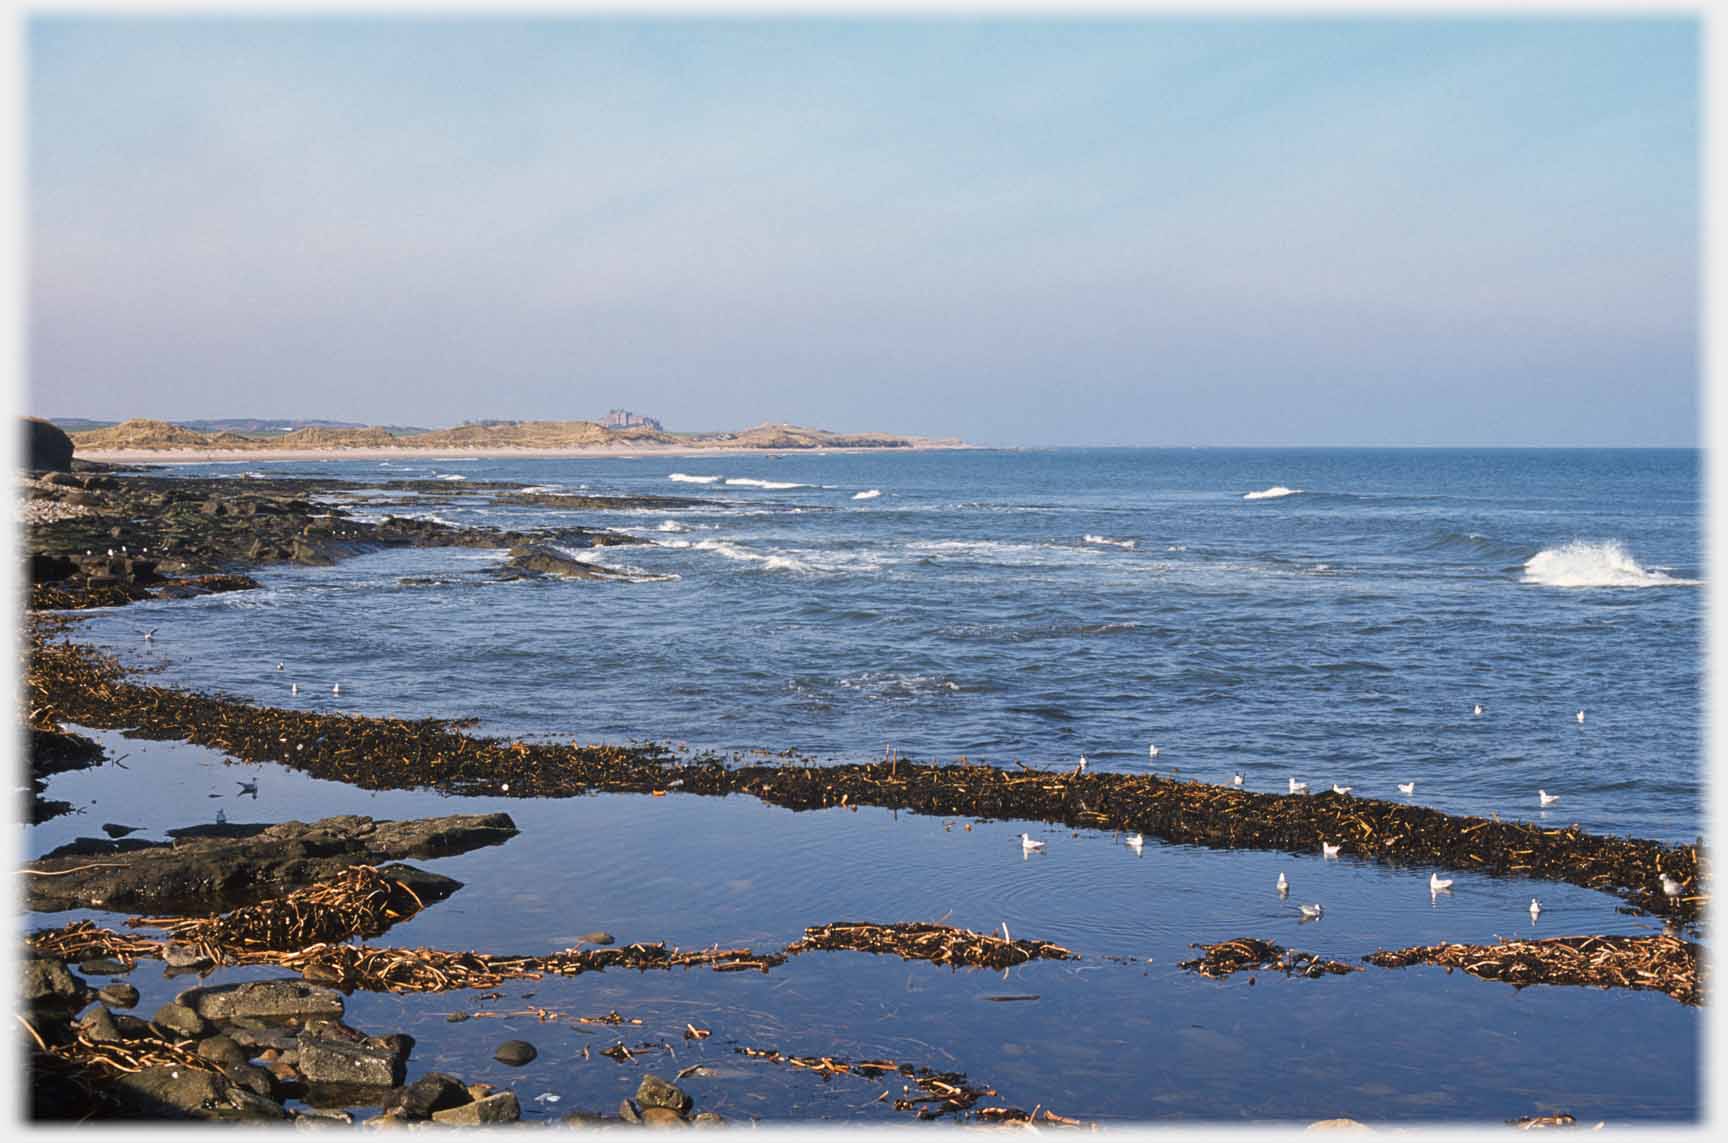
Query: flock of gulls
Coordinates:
[1313,912]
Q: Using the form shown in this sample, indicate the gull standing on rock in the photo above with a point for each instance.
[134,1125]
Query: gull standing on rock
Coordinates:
[1236,781]
[1027,845]
[1081,768]
[1671,888]
[1298,787]
[1342,791]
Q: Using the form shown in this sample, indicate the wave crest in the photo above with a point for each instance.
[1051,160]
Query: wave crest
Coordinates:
[686,478]
[1272,493]
[1595,563]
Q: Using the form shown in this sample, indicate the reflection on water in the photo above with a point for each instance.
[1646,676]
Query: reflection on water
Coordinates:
[1126,1038]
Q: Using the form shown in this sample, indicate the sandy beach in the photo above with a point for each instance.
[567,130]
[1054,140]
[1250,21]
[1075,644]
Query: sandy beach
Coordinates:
[265,456]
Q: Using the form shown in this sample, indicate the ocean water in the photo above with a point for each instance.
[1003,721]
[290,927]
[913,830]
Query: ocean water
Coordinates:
[1328,615]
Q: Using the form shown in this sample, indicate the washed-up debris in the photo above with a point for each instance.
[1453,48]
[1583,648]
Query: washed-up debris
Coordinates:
[361,902]
[1245,953]
[1559,1119]
[942,944]
[944,1093]
[72,683]
[1661,963]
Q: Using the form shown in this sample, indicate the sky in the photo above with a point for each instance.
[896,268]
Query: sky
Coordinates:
[1138,230]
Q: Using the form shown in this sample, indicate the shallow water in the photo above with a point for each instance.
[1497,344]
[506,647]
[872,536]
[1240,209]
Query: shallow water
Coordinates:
[1131,1037]
[1337,633]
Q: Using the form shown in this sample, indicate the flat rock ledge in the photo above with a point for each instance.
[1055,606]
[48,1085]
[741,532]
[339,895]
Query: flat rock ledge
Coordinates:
[245,863]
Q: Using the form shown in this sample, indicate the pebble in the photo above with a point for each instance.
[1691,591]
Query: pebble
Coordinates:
[118,995]
[515,1053]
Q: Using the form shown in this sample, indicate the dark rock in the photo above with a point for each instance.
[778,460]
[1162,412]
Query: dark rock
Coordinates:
[46,447]
[203,874]
[118,995]
[656,1092]
[662,1117]
[315,1117]
[105,966]
[330,1061]
[263,999]
[500,1108]
[224,1050]
[432,1092]
[456,1017]
[600,937]
[259,1036]
[708,1119]
[515,1053]
[256,1080]
[346,1094]
[185,957]
[542,559]
[180,1021]
[48,984]
[183,1092]
[98,1025]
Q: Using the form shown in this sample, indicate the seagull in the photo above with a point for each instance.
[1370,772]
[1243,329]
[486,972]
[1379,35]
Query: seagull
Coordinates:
[1135,841]
[1406,787]
[1311,912]
[505,788]
[1081,768]
[1027,845]
[1535,909]
[1671,888]
[110,553]
[1477,710]
[1330,850]
[278,666]
[249,787]
[336,689]
[1580,716]
[293,688]
[1298,787]
[1438,884]
[1236,781]
[1342,790]
[151,634]
[1547,798]
[1152,751]
[1283,884]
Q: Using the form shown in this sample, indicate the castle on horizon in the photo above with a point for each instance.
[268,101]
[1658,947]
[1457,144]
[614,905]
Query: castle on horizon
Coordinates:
[625,419]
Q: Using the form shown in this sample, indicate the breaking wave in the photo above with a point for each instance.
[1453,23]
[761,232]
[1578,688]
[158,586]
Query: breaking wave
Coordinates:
[1272,493]
[1091,539]
[752,482]
[1595,563]
[686,478]
[868,494]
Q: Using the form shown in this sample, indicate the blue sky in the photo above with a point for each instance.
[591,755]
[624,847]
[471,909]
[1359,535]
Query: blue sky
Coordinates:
[1148,230]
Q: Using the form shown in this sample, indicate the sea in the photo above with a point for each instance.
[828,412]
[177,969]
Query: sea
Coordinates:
[1483,623]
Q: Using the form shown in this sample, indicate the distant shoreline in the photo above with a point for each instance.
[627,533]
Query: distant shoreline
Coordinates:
[491,452]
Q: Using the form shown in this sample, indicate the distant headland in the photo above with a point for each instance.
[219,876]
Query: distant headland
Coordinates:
[622,432]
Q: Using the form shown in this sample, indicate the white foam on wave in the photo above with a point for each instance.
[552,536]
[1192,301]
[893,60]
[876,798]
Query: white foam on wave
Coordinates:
[868,494]
[1272,493]
[1091,539]
[801,560]
[686,478]
[752,482]
[672,526]
[1595,563]
[592,557]
[451,476]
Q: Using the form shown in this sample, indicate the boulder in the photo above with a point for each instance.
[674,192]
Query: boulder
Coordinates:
[431,1093]
[369,1061]
[180,1021]
[500,1108]
[48,984]
[515,1053]
[46,447]
[656,1092]
[118,995]
[263,999]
